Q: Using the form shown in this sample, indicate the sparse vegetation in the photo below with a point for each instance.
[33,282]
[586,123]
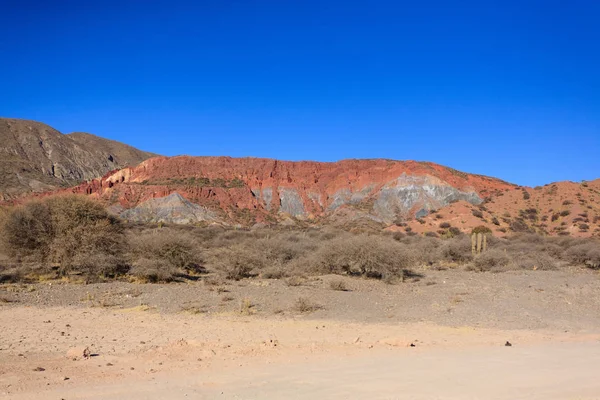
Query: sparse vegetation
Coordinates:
[477,213]
[74,236]
[305,305]
[339,285]
[66,234]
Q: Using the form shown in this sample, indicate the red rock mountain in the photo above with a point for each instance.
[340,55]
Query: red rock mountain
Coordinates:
[409,196]
[400,195]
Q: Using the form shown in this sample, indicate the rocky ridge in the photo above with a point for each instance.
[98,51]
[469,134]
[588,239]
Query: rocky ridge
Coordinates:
[35,157]
[405,196]
[250,190]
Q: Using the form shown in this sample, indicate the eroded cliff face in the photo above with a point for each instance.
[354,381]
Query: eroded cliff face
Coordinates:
[249,190]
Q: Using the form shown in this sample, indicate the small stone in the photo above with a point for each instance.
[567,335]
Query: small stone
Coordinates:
[508,344]
[39,369]
[78,353]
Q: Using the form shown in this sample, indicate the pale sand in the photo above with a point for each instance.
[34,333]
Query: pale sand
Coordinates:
[233,357]
[179,341]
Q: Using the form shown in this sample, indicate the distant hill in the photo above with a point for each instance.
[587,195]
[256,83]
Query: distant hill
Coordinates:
[406,196]
[411,197]
[35,157]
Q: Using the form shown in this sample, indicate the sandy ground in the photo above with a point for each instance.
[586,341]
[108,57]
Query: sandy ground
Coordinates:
[199,341]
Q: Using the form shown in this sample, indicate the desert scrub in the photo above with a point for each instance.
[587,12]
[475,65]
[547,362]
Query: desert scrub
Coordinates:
[370,256]
[247,307]
[160,255]
[271,256]
[491,260]
[73,233]
[304,305]
[338,284]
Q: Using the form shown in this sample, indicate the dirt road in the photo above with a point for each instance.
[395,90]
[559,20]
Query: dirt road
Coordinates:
[185,342]
[543,371]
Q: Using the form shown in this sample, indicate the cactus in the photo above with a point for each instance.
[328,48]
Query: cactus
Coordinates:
[479,239]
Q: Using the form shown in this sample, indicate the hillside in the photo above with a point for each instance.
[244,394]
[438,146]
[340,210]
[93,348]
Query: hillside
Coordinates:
[35,157]
[250,190]
[560,208]
[404,196]
[401,196]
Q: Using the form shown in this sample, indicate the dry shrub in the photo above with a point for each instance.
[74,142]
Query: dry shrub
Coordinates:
[338,285]
[295,281]
[10,274]
[162,254]
[277,272]
[370,256]
[458,250]
[66,231]
[585,253]
[152,270]
[398,236]
[247,307]
[491,260]
[235,262]
[305,305]
[270,255]
[27,232]
[535,261]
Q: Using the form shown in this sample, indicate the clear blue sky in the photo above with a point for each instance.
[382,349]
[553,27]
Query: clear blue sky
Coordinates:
[503,88]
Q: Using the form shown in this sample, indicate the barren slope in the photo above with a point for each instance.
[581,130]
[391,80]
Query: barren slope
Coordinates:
[35,157]
[561,208]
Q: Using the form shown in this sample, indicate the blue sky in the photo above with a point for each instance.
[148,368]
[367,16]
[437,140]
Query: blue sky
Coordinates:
[503,88]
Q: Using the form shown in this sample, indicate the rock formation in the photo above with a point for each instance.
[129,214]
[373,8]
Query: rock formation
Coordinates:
[35,157]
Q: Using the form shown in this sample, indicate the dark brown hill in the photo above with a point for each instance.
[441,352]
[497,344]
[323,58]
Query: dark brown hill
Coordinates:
[35,157]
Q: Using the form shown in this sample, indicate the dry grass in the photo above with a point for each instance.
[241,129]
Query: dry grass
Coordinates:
[295,281]
[304,305]
[247,307]
[194,308]
[338,285]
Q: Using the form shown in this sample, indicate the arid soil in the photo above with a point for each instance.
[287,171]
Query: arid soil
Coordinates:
[440,336]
